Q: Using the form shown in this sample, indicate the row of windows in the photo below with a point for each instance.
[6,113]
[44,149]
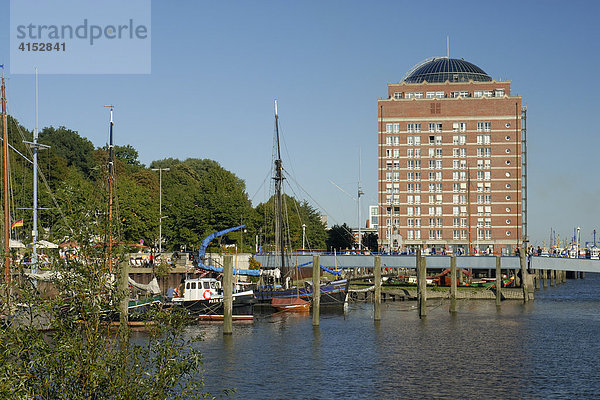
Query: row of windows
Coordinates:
[437,140]
[437,176]
[453,94]
[415,127]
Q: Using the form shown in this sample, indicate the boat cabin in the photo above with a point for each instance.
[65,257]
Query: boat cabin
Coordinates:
[201,289]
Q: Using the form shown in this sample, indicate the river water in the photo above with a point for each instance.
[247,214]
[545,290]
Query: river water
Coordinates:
[547,349]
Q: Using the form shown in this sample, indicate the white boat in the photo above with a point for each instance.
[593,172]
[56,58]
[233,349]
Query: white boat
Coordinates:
[203,298]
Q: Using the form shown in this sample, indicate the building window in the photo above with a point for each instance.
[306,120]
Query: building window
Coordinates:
[438,164]
[459,126]
[414,127]
[507,151]
[435,127]
[484,126]
[484,139]
[397,95]
[507,233]
[396,128]
[508,222]
[499,93]
[459,139]
[431,164]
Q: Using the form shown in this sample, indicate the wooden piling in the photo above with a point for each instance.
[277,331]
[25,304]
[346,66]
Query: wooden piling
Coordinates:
[316,305]
[227,295]
[453,284]
[124,304]
[421,284]
[377,277]
[545,278]
[552,278]
[538,276]
[517,278]
[524,276]
[498,280]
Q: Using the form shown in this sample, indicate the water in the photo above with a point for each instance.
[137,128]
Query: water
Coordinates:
[548,349]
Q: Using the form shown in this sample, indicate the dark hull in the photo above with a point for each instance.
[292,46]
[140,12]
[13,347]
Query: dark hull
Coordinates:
[332,294]
[242,305]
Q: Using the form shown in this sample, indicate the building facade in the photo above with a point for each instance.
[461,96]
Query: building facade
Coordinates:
[450,161]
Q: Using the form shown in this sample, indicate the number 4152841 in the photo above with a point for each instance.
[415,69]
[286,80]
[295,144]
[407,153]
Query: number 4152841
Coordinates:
[27,46]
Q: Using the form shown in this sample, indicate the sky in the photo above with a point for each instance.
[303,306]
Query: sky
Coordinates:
[216,68]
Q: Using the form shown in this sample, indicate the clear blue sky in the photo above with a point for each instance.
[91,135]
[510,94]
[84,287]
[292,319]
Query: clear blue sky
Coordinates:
[217,66]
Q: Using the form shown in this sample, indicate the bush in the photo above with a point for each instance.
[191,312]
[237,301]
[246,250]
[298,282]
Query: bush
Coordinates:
[78,356]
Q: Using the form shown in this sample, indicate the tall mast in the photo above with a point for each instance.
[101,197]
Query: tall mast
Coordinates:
[110,188]
[34,233]
[5,170]
[279,235]
[360,193]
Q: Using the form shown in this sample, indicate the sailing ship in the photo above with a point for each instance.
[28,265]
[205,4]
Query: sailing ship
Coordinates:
[278,267]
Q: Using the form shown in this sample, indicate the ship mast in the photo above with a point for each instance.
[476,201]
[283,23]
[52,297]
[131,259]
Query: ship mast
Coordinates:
[5,170]
[110,188]
[279,235]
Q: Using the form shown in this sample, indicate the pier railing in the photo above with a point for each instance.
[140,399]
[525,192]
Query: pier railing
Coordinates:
[440,261]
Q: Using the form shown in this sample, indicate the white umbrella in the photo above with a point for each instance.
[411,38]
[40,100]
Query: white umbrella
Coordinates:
[15,244]
[44,244]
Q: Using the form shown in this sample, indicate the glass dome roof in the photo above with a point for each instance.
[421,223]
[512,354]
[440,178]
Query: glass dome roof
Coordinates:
[442,69]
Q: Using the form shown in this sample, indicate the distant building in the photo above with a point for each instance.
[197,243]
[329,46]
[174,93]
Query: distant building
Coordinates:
[449,160]
[324,219]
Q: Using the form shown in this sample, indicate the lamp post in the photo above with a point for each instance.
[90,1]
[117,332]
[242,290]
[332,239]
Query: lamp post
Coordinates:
[160,170]
[303,235]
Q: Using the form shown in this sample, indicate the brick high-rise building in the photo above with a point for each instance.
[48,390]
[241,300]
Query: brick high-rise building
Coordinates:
[450,161]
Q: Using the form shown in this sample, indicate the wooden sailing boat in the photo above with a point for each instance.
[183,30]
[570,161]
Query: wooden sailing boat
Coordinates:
[283,303]
[269,292]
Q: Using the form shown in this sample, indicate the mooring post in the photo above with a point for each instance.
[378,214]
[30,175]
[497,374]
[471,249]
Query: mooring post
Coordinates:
[124,303]
[524,277]
[453,284]
[422,284]
[377,277]
[498,280]
[227,295]
[316,306]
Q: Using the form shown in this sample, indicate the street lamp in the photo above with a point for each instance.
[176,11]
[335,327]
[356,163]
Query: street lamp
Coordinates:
[303,235]
[160,170]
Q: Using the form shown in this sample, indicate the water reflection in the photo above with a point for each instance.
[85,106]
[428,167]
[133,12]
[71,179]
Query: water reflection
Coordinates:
[544,349]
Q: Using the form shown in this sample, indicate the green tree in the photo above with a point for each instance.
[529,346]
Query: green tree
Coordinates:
[340,237]
[66,143]
[370,241]
[295,214]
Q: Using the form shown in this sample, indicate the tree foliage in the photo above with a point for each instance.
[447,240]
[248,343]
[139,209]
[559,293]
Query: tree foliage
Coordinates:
[295,215]
[340,237]
[199,197]
[370,241]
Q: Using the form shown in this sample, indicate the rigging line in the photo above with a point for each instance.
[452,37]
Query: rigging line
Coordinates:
[298,212]
[262,184]
[320,206]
